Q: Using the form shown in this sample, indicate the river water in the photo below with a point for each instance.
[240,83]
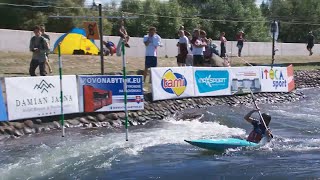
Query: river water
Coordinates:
[158,150]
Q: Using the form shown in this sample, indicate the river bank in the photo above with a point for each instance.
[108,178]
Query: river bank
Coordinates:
[156,110]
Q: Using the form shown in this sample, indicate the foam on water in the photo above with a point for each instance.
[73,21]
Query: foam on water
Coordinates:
[73,152]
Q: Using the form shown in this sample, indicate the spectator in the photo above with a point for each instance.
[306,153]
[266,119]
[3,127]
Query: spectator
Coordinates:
[223,42]
[43,34]
[186,33]
[110,48]
[240,40]
[152,41]
[207,53]
[197,48]
[123,34]
[39,46]
[183,45]
[310,41]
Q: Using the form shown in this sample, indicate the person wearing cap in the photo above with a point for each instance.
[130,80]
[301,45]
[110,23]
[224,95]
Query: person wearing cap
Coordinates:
[259,130]
[240,41]
[310,42]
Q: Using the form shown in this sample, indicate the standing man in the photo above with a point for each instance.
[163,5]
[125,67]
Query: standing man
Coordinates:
[240,40]
[124,34]
[43,34]
[310,41]
[152,41]
[197,48]
[39,47]
[183,45]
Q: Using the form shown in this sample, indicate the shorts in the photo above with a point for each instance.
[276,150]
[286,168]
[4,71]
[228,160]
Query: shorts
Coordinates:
[151,61]
[198,60]
[310,46]
[181,58]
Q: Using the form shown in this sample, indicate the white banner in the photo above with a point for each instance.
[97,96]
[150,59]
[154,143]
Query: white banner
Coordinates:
[212,81]
[29,97]
[274,80]
[172,83]
[245,79]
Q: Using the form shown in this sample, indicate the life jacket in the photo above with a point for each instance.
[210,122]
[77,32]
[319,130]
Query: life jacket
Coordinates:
[254,137]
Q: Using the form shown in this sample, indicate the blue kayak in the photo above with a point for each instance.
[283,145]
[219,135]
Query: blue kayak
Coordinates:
[221,144]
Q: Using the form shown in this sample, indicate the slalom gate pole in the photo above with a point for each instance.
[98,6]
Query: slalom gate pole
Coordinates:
[61,91]
[125,87]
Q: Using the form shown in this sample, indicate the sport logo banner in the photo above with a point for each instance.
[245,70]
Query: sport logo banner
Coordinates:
[172,83]
[3,111]
[29,97]
[274,79]
[106,93]
[212,81]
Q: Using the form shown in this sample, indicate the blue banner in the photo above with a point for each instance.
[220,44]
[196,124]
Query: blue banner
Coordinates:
[211,80]
[105,93]
[3,110]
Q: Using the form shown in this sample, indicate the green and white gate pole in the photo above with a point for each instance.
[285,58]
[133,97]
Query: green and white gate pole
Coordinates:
[125,87]
[61,91]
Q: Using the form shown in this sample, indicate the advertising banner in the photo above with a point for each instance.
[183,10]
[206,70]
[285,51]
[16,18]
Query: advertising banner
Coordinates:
[275,79]
[29,97]
[3,110]
[105,93]
[290,73]
[212,81]
[172,83]
[245,79]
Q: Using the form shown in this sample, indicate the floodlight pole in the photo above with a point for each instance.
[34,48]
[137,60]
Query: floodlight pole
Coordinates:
[101,40]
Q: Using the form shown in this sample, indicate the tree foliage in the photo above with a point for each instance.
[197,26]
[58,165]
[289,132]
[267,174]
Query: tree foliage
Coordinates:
[213,16]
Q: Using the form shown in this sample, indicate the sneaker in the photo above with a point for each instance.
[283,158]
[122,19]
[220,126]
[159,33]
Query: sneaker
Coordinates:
[127,45]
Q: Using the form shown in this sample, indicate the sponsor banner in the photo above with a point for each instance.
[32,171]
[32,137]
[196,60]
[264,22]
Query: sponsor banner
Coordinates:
[274,79]
[105,93]
[29,97]
[290,73]
[172,83]
[212,81]
[245,79]
[3,110]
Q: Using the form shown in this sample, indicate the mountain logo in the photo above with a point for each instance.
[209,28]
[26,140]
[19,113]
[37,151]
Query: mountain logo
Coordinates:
[43,86]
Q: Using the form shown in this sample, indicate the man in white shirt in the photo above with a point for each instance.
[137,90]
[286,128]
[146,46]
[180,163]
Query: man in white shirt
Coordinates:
[152,41]
[182,48]
[197,48]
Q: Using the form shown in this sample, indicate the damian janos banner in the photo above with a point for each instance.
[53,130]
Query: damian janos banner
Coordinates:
[105,93]
[29,97]
[212,81]
[276,79]
[3,110]
[172,83]
[245,79]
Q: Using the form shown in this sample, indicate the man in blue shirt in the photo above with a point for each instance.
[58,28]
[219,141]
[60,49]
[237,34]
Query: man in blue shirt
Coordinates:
[259,130]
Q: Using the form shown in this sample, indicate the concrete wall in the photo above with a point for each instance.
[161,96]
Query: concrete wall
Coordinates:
[18,41]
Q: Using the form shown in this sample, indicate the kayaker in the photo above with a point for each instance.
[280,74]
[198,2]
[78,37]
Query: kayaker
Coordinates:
[259,130]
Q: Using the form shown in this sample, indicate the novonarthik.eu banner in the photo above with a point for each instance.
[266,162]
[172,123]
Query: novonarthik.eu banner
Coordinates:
[106,93]
[29,97]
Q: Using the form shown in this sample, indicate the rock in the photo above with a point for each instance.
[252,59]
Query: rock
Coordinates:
[56,125]
[2,130]
[112,116]
[84,120]
[29,123]
[101,117]
[66,125]
[18,125]
[133,123]
[142,119]
[106,124]
[134,115]
[74,122]
[38,121]
[28,130]
[96,124]
[91,118]
[9,130]
[121,115]
[17,133]
[39,129]
[116,123]
[3,123]
[88,125]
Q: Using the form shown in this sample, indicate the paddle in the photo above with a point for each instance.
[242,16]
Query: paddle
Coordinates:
[254,101]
